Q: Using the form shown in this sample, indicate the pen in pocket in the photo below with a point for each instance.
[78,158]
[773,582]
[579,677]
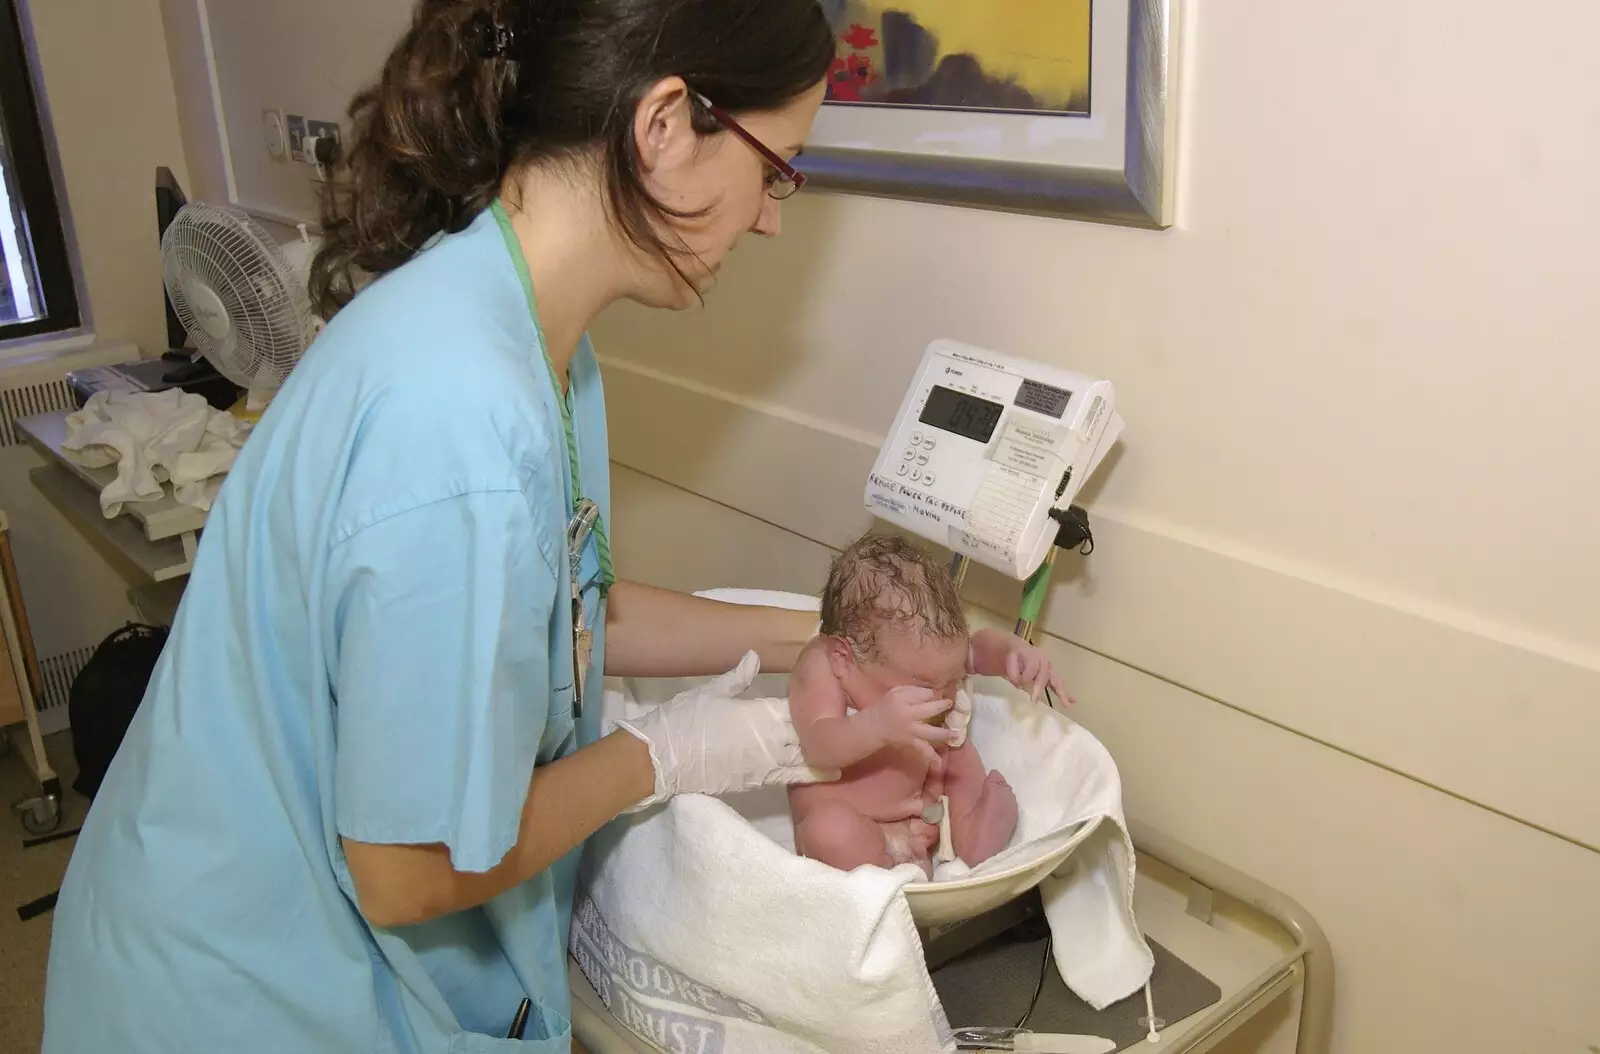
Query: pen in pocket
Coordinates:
[520,1022]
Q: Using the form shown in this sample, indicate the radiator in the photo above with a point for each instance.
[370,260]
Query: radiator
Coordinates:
[37,384]
[27,399]
[58,671]
[74,597]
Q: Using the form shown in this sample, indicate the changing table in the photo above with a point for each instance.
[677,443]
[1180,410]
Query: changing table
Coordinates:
[1257,945]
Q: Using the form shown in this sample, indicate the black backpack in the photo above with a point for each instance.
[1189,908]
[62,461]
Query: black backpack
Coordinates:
[105,695]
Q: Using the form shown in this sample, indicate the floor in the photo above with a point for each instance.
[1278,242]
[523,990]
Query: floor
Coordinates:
[25,875]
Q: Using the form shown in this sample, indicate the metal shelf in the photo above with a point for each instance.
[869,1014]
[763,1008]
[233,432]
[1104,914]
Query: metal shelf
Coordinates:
[156,539]
[120,539]
[164,517]
[157,603]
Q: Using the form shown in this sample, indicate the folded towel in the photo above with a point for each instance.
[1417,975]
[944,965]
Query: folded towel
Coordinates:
[152,438]
[697,920]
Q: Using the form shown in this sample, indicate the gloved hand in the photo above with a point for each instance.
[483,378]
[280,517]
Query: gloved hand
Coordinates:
[708,741]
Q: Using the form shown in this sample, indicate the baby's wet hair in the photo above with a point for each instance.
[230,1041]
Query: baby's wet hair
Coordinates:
[882,579]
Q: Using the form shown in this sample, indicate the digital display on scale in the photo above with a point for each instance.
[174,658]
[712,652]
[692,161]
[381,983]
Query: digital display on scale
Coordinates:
[965,415]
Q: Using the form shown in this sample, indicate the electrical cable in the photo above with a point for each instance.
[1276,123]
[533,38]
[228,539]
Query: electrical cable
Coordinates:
[1038,989]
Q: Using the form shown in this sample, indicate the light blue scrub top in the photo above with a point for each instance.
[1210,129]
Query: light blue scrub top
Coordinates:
[375,643]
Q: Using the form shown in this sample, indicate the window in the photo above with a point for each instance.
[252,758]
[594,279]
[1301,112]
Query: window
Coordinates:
[37,295]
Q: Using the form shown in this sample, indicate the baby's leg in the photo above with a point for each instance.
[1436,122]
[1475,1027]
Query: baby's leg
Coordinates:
[933,782]
[836,833]
[983,808]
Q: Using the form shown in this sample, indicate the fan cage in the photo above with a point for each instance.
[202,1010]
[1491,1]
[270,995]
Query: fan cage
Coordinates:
[269,319]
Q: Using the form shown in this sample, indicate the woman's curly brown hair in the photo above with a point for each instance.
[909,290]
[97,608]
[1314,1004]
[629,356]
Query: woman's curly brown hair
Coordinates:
[435,135]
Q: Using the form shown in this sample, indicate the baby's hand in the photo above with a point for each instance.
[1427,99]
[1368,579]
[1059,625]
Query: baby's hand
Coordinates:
[998,654]
[903,717]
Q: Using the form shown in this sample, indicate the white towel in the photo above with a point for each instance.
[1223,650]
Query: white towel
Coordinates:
[1067,783]
[697,921]
[152,438]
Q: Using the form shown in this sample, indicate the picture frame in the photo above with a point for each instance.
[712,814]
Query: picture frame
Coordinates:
[1113,164]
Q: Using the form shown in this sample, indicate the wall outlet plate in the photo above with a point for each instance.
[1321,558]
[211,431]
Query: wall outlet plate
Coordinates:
[325,130]
[297,135]
[273,132]
[316,132]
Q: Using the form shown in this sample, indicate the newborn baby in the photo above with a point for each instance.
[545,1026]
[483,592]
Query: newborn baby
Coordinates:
[894,648]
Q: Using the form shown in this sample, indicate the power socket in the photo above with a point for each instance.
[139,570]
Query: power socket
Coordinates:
[325,130]
[300,130]
[324,148]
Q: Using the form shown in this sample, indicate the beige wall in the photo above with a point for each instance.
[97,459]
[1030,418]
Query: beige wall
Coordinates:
[108,86]
[1340,627]
[196,110]
[267,60]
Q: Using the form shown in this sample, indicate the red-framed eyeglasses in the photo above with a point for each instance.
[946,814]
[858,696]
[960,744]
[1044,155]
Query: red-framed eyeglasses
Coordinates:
[784,179]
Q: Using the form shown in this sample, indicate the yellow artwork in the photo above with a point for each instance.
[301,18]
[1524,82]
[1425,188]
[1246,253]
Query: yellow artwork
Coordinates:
[1013,55]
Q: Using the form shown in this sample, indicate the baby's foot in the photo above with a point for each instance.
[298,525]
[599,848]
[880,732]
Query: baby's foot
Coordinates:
[989,826]
[911,842]
[924,837]
[912,846]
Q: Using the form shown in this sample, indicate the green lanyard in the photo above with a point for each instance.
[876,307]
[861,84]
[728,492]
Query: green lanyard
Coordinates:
[563,396]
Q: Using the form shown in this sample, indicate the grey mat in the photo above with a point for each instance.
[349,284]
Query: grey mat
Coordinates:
[992,984]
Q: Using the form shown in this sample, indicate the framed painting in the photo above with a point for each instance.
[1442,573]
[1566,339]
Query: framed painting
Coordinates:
[1053,107]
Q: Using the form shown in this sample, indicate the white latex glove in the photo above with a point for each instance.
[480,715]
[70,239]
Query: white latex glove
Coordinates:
[958,718]
[708,741]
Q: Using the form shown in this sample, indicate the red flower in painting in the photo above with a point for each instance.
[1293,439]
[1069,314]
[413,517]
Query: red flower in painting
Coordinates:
[848,76]
[860,37]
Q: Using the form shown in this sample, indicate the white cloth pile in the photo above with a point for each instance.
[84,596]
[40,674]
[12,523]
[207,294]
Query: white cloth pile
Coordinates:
[696,920]
[153,438]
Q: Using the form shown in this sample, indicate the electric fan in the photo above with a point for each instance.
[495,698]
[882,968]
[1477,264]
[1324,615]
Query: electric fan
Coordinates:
[241,297]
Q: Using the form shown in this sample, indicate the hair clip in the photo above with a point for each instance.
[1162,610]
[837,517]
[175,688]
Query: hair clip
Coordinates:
[490,38]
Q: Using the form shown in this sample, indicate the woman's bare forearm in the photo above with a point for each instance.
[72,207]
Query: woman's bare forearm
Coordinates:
[654,632]
[568,800]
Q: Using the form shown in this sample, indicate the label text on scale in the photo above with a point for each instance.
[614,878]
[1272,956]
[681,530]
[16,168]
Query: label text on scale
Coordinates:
[919,498]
